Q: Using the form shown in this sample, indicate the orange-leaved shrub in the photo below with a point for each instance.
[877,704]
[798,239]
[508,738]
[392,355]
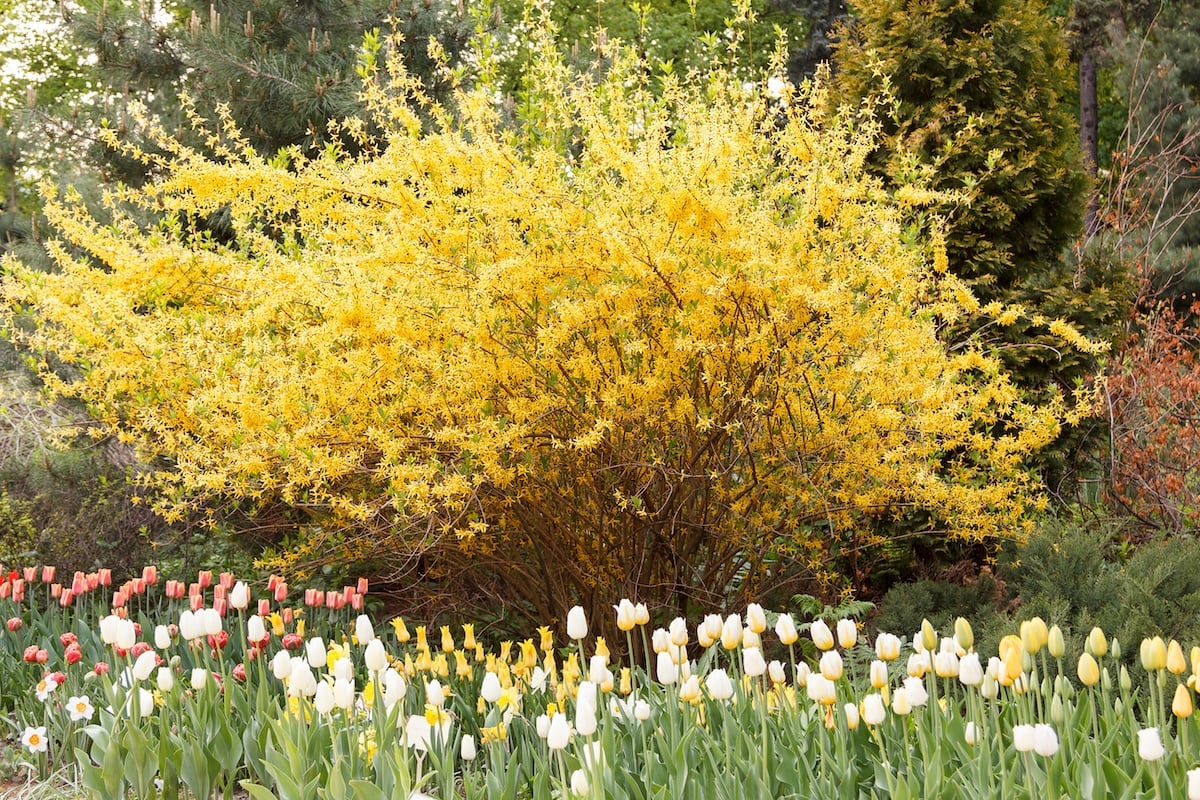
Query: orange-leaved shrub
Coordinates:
[665,345]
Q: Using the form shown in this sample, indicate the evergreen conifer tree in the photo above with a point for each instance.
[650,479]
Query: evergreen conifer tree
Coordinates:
[982,98]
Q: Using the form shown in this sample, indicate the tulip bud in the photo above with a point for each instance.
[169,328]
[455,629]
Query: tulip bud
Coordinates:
[490,689]
[901,705]
[963,633]
[1176,664]
[343,693]
[1097,644]
[928,635]
[750,639]
[1089,670]
[165,679]
[776,672]
[1123,680]
[1055,643]
[467,748]
[577,627]
[971,733]
[1181,705]
[989,689]
[847,633]
[1057,712]
[642,614]
[199,678]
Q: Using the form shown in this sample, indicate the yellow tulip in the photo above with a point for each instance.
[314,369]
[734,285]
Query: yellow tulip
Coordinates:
[398,626]
[1176,663]
[468,636]
[1181,705]
[1034,635]
[547,643]
[447,640]
[1097,644]
[422,642]
[1089,670]
[1153,654]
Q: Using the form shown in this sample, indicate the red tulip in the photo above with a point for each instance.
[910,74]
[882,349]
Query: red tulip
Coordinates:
[73,654]
[204,578]
[15,623]
[42,656]
[68,639]
[362,585]
[239,673]
[105,576]
[31,653]
[29,572]
[100,668]
[47,574]
[150,575]
[293,641]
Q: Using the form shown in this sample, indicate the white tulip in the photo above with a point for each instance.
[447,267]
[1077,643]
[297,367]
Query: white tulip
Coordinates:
[1150,746]
[314,648]
[364,631]
[873,710]
[323,701]
[719,686]
[558,734]
[239,596]
[145,665]
[847,633]
[753,663]
[577,627]
[375,656]
[490,689]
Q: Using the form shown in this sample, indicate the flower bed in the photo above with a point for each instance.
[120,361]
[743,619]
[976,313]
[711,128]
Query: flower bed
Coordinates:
[169,690]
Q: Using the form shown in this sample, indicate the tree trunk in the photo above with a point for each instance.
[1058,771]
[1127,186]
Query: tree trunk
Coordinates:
[1088,128]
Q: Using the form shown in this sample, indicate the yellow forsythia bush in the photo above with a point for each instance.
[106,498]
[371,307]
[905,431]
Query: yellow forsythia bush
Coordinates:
[643,343]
